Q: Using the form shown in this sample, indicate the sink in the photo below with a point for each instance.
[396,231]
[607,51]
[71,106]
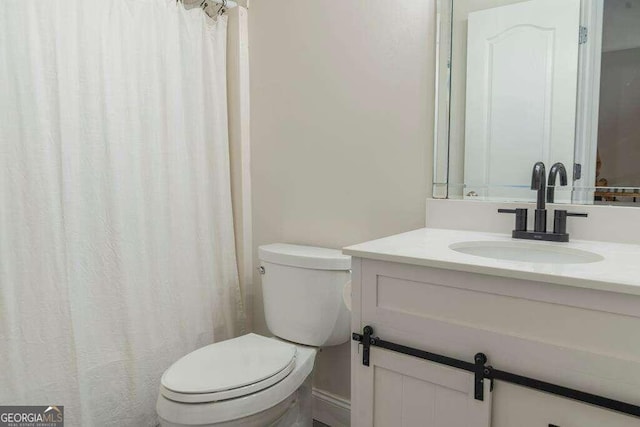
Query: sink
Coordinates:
[526,252]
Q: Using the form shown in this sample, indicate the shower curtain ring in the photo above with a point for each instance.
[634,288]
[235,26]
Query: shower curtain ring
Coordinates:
[223,7]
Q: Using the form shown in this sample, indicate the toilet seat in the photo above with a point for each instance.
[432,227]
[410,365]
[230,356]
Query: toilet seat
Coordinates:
[232,411]
[228,370]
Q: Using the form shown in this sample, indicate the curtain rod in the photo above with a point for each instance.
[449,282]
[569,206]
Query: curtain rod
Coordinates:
[204,4]
[221,5]
[228,3]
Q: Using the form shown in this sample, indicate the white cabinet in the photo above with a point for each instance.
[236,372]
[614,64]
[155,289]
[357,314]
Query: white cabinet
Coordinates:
[405,391]
[522,407]
[580,338]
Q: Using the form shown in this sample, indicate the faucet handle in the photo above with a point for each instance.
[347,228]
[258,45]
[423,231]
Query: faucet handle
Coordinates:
[560,220]
[521,217]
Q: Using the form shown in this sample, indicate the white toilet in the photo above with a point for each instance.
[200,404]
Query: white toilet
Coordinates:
[259,381]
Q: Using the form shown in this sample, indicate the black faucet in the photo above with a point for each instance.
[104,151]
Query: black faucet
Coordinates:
[556,169]
[538,183]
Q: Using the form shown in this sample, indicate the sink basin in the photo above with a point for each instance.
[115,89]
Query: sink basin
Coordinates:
[526,252]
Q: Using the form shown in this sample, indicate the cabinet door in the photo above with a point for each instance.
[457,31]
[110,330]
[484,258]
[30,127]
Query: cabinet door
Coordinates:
[518,406]
[404,391]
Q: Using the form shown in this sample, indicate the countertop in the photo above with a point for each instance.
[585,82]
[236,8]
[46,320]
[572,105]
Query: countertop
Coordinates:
[619,271]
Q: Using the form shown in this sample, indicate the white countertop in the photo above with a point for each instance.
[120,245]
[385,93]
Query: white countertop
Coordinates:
[618,272]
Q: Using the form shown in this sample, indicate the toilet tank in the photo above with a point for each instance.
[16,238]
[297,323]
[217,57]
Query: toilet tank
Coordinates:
[302,292]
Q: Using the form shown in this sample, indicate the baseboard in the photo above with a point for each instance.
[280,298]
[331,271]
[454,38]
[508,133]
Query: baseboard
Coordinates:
[330,409]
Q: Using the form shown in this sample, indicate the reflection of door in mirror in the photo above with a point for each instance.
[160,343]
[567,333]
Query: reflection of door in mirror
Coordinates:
[522,67]
[619,117]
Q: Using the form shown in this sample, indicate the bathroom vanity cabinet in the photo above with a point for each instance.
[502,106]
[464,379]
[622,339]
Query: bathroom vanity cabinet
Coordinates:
[577,334]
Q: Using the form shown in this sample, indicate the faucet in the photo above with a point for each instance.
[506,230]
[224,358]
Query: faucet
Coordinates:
[538,183]
[556,169]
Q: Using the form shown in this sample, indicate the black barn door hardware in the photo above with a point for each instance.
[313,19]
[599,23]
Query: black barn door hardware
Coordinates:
[481,372]
[477,368]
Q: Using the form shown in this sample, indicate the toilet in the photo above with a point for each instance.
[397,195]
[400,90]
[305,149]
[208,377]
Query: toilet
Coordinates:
[254,380]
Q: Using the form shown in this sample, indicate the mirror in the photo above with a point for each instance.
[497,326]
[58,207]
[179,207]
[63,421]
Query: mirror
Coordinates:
[556,81]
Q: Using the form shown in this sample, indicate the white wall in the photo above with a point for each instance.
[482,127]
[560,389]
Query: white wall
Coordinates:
[341,128]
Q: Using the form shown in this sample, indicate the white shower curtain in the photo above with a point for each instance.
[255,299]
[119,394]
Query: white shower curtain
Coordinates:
[116,234]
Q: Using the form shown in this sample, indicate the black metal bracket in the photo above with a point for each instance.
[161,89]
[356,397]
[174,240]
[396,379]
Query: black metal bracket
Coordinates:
[365,339]
[480,360]
[481,372]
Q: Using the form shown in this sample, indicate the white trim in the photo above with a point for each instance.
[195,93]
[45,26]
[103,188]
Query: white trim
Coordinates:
[356,325]
[330,409]
[588,100]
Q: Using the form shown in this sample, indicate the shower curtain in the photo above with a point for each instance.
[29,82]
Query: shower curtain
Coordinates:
[117,250]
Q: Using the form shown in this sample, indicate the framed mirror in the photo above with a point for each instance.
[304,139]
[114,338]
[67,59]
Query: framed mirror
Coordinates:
[552,81]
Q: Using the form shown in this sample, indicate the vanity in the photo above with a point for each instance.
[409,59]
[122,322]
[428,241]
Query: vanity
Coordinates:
[478,320]
[566,314]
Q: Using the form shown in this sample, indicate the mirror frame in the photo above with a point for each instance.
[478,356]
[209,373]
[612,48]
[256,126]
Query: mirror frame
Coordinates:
[444,34]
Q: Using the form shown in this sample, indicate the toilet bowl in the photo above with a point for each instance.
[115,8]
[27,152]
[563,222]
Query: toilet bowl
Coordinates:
[260,381]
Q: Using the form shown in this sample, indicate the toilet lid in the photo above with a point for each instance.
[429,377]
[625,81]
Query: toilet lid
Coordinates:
[243,364]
